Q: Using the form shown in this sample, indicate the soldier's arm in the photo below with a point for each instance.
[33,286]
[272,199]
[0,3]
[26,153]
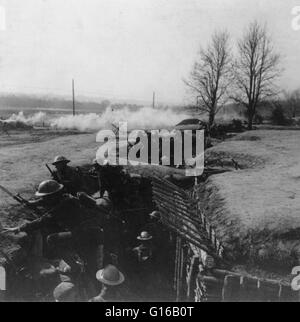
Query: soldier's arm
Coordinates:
[78,175]
[35,203]
[72,182]
[55,176]
[86,200]
[37,224]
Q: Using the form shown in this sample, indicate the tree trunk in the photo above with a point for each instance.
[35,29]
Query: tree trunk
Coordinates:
[211,119]
[250,119]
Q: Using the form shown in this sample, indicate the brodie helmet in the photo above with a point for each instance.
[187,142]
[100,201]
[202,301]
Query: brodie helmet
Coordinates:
[144,236]
[110,275]
[48,187]
[60,159]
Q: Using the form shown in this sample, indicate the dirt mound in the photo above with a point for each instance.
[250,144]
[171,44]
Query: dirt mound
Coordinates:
[247,138]
[256,210]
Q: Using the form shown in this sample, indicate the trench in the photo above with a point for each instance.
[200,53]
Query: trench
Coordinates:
[172,274]
[188,262]
[144,282]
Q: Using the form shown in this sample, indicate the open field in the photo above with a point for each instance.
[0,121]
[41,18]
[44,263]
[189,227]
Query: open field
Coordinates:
[24,154]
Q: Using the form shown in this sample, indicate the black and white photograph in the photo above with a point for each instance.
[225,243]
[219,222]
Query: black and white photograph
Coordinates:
[149,153]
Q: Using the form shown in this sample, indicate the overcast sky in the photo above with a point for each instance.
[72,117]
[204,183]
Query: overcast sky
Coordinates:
[127,48]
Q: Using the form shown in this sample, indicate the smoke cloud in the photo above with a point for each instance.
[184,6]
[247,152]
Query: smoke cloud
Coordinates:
[144,118]
[32,120]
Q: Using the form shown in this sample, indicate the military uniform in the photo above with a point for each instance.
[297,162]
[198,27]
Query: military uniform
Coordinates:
[69,214]
[112,179]
[72,226]
[71,179]
[76,228]
[144,274]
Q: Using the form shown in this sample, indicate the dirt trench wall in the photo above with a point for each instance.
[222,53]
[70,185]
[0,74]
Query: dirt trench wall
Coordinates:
[255,210]
[213,206]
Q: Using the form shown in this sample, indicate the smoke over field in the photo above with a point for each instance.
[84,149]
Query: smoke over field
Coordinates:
[144,118]
[37,118]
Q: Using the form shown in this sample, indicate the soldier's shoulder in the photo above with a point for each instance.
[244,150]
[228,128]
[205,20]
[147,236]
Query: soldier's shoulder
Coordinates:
[70,168]
[75,170]
[68,198]
[136,249]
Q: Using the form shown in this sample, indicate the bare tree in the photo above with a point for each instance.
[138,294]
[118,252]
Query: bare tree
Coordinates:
[293,102]
[209,78]
[255,70]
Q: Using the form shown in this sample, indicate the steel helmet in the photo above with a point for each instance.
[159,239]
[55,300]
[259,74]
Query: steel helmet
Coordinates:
[48,187]
[60,159]
[110,275]
[144,236]
[155,215]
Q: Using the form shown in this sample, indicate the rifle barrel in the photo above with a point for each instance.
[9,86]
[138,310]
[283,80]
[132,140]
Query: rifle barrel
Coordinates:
[8,192]
[19,199]
[47,166]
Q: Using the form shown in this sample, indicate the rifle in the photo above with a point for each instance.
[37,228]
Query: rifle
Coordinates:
[52,173]
[36,213]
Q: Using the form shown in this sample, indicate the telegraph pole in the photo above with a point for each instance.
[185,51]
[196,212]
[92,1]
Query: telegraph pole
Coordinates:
[153,102]
[73,91]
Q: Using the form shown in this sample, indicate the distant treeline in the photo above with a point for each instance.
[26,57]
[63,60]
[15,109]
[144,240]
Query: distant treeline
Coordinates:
[20,101]
[265,109]
[26,101]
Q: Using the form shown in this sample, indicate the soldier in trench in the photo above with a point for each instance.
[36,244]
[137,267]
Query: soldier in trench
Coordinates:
[70,177]
[111,177]
[163,249]
[143,269]
[73,227]
[111,280]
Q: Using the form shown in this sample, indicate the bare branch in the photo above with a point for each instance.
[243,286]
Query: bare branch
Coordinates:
[255,69]
[210,76]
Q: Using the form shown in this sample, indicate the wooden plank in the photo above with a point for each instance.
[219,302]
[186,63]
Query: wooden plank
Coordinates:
[249,290]
[172,196]
[163,182]
[288,295]
[189,231]
[193,240]
[231,289]
[178,214]
[269,292]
